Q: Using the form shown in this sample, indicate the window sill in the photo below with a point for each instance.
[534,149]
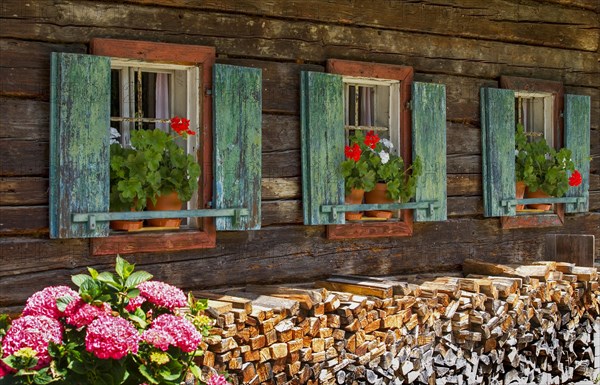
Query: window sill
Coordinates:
[129,243]
[524,221]
[402,228]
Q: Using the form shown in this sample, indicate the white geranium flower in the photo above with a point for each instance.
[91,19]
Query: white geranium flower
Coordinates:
[547,156]
[387,143]
[385,157]
[516,152]
[114,135]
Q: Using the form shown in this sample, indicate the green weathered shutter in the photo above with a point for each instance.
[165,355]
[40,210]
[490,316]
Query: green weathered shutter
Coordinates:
[79,142]
[429,143]
[577,139]
[237,106]
[498,150]
[322,133]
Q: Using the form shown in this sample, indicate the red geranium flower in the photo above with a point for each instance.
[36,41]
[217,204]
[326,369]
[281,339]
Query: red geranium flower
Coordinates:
[181,125]
[353,152]
[575,179]
[371,139]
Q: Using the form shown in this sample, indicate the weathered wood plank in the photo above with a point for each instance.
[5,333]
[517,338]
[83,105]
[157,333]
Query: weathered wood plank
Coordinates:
[281,188]
[20,255]
[281,83]
[429,142]
[322,133]
[280,132]
[578,249]
[23,191]
[24,158]
[288,254]
[502,21]
[240,35]
[237,105]
[23,219]
[577,139]
[25,67]
[498,148]
[24,119]
[79,144]
[283,164]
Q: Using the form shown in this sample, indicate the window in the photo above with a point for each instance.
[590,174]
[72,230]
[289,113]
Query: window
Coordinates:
[146,95]
[368,96]
[540,106]
[148,81]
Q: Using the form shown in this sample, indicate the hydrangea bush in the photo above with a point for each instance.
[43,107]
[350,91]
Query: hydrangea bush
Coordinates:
[116,329]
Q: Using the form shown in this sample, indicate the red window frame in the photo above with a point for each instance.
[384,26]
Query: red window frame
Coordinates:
[405,75]
[205,236]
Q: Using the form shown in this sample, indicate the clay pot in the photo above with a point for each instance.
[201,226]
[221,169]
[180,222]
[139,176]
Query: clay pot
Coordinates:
[123,225]
[538,194]
[520,186]
[167,202]
[354,198]
[378,195]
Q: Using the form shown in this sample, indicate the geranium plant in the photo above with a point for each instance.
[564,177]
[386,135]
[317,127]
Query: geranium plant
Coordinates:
[116,329]
[542,167]
[371,159]
[153,165]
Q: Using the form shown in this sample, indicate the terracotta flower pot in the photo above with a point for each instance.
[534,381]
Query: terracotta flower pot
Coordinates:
[538,194]
[520,186]
[378,195]
[166,202]
[124,225]
[354,198]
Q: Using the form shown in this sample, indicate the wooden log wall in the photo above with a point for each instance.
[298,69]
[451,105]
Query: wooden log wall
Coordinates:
[463,46]
[493,325]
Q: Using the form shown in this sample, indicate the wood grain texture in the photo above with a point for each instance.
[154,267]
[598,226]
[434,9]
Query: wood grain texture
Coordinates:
[498,149]
[574,248]
[23,191]
[24,158]
[79,143]
[429,143]
[522,23]
[322,133]
[24,119]
[240,35]
[293,254]
[237,103]
[577,139]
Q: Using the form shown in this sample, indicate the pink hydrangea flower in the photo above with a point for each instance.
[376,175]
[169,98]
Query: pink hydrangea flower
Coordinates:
[217,379]
[162,294]
[44,302]
[33,332]
[159,338]
[111,337]
[168,327]
[134,303]
[80,313]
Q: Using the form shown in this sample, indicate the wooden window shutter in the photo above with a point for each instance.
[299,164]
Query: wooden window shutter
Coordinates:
[429,143]
[498,151]
[577,139]
[322,134]
[79,143]
[237,106]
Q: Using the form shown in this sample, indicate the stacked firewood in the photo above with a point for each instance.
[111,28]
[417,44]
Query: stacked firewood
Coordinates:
[494,324]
